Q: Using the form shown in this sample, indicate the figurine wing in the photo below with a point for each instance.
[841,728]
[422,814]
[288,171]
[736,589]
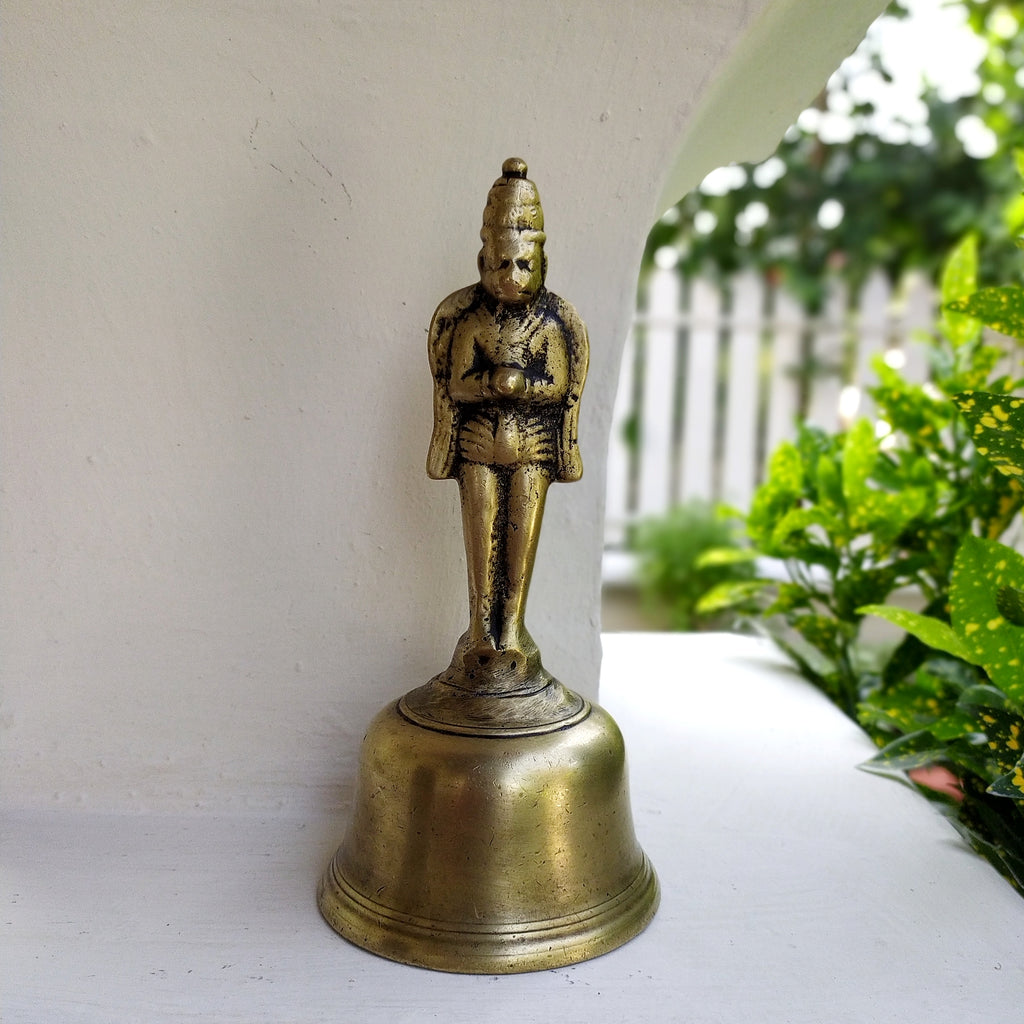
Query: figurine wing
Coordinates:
[570,464]
[443,440]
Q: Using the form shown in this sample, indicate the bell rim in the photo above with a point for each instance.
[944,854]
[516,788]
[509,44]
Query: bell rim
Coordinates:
[489,947]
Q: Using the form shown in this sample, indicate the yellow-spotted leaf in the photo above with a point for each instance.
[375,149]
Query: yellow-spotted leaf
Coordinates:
[729,594]
[1010,603]
[916,750]
[830,485]
[924,701]
[932,632]
[995,753]
[887,515]
[821,632]
[959,279]
[780,493]
[983,569]
[1011,784]
[860,453]
[1000,308]
[997,428]
[714,557]
[789,596]
[790,531]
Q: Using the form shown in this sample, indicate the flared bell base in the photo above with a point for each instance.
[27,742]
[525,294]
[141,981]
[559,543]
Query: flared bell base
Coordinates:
[489,947]
[490,853]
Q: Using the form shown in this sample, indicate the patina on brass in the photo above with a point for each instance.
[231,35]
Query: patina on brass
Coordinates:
[492,831]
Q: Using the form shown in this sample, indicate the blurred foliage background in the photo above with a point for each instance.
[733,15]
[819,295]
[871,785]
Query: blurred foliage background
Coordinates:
[905,150]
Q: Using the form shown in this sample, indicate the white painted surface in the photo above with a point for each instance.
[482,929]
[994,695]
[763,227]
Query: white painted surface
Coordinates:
[743,392]
[225,226]
[823,408]
[618,497]
[700,398]
[796,889]
[661,350]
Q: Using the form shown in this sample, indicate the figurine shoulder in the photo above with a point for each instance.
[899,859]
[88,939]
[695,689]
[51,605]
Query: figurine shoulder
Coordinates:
[565,312]
[452,307]
[442,326]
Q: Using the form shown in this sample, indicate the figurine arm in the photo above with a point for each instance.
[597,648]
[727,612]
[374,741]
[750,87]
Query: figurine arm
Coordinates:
[570,464]
[505,382]
[548,368]
[470,380]
[441,453]
[550,384]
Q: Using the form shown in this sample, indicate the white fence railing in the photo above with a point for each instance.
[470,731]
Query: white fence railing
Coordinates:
[713,378]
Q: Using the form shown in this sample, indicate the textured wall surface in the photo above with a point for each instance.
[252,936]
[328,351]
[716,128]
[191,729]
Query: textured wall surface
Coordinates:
[225,227]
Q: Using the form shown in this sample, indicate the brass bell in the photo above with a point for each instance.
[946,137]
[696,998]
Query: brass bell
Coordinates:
[492,831]
[488,852]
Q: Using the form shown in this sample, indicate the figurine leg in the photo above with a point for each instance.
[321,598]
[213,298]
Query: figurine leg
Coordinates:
[478,486]
[528,487]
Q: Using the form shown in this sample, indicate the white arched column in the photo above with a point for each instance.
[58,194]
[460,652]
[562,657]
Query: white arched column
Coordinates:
[225,228]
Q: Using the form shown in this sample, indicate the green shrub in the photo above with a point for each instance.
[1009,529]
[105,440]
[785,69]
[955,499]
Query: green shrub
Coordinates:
[683,555]
[858,516]
[912,507]
[964,709]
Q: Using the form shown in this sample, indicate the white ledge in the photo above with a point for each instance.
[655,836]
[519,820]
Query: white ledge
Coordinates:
[795,888]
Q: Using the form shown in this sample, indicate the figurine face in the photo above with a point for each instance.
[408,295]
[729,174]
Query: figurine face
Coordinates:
[511,268]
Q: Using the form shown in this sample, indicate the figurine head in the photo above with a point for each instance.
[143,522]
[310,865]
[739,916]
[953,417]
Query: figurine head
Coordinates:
[512,262]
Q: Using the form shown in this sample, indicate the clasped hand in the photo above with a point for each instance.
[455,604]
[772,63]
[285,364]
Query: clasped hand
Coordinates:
[508,382]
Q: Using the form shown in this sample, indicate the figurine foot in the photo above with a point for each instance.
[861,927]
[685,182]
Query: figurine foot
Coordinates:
[481,667]
[490,691]
[485,660]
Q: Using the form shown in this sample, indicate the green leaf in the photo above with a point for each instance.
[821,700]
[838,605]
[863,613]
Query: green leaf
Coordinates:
[1013,215]
[981,570]
[810,663]
[922,473]
[821,632]
[863,587]
[829,481]
[917,750]
[1018,160]
[1010,603]
[959,280]
[789,597]
[1011,784]
[789,536]
[887,515]
[955,725]
[977,374]
[997,428]
[925,702]
[725,556]
[860,452]
[931,631]
[781,492]
[992,827]
[729,594]
[998,747]
[984,696]
[1000,308]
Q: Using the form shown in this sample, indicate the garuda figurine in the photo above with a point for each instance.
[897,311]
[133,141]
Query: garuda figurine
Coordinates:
[509,359]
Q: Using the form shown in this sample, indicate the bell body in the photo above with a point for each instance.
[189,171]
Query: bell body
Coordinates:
[490,853]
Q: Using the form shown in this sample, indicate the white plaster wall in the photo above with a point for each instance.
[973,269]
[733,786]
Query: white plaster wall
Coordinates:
[225,227]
